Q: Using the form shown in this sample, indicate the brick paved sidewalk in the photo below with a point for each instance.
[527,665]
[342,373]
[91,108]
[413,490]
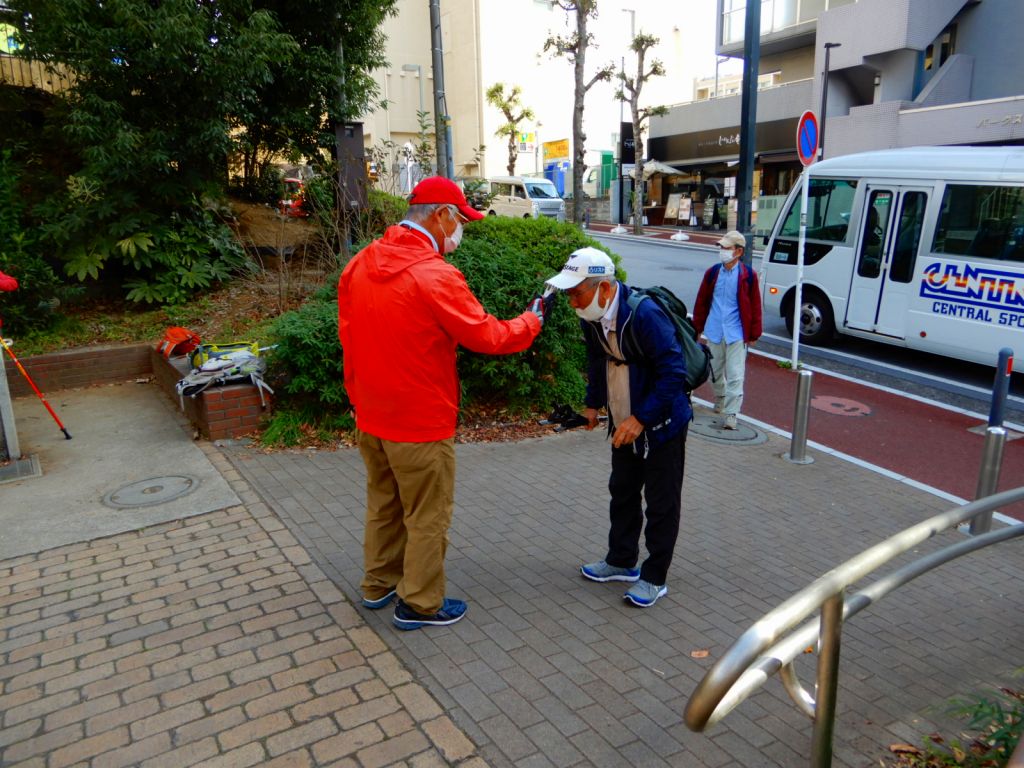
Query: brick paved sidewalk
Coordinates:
[212,641]
[550,670]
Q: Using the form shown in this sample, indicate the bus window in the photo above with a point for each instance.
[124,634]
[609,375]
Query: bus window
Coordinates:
[985,221]
[908,236]
[875,224]
[828,216]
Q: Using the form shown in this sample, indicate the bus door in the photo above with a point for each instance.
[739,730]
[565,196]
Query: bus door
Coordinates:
[887,244]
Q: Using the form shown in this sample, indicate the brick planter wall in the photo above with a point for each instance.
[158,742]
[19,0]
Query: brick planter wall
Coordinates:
[219,412]
[83,367]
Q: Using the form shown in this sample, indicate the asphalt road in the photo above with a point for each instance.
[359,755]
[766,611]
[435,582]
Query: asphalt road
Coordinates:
[945,380]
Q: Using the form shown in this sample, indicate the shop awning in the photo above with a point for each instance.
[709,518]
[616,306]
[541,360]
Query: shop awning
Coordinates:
[651,167]
[767,158]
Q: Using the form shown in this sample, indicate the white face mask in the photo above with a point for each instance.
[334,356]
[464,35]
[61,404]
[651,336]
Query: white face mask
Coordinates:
[593,310]
[726,255]
[451,242]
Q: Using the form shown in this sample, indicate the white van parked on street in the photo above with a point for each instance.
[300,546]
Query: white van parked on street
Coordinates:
[921,247]
[525,197]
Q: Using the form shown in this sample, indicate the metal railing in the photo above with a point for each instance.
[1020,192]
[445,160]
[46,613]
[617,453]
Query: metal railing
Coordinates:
[766,648]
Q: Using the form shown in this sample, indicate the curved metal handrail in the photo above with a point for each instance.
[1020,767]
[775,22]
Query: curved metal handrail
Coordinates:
[765,648]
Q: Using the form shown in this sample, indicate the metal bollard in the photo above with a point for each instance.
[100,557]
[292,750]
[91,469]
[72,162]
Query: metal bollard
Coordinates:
[988,477]
[1001,387]
[798,444]
[586,218]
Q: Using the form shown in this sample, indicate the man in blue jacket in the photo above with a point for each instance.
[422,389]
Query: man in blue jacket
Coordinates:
[636,369]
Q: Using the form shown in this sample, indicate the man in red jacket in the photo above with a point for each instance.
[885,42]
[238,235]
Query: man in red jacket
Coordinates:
[8,283]
[402,313]
[728,314]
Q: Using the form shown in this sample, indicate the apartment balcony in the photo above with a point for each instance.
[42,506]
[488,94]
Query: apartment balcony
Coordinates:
[708,130]
[785,24]
[872,28]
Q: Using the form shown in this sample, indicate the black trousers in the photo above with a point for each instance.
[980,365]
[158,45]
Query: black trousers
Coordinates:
[658,479]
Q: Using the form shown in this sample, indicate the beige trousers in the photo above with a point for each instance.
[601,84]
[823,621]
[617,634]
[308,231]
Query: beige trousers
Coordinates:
[410,494]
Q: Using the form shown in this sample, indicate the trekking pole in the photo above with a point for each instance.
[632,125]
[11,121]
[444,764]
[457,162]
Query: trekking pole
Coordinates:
[3,343]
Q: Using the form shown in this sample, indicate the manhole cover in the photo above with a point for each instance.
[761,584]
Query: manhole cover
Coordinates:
[146,493]
[711,426]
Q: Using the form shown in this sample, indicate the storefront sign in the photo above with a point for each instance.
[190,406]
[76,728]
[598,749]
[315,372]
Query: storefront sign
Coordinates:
[556,150]
[527,142]
[627,149]
[772,136]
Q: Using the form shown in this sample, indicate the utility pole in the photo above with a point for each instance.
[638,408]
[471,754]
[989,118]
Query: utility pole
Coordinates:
[442,120]
[348,145]
[748,124]
[824,98]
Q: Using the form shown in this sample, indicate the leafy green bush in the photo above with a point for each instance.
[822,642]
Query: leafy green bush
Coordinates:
[266,186]
[505,262]
[29,307]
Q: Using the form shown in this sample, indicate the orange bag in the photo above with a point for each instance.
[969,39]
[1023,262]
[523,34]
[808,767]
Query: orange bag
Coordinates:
[177,341]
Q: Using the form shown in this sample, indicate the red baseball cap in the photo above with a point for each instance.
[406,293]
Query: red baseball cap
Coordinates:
[437,190]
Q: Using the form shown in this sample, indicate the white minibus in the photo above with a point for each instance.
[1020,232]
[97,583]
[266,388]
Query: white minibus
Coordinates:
[920,247]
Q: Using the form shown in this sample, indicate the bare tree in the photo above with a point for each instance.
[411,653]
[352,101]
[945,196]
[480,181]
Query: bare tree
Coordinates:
[574,48]
[507,105]
[630,91]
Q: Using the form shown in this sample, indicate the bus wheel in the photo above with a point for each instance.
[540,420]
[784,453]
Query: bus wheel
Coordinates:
[817,325]
[492,213]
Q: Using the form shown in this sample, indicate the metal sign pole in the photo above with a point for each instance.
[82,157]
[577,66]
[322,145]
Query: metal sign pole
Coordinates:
[797,297]
[9,448]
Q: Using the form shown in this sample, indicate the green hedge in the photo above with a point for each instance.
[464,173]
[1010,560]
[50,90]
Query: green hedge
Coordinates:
[505,262]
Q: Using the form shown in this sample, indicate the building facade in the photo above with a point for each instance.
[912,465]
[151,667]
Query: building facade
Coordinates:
[900,73]
[490,41]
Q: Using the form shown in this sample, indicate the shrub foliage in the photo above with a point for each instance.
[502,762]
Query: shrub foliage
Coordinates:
[505,262]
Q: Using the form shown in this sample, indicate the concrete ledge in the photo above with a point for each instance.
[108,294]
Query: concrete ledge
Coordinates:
[219,412]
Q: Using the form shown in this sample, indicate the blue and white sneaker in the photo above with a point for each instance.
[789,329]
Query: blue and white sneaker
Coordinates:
[452,610]
[603,572]
[645,594]
[380,602]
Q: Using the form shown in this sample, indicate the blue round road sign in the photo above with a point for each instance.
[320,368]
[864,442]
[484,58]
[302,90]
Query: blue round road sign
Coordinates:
[807,138]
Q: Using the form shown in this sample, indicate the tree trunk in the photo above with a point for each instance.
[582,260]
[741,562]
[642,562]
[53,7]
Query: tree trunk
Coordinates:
[512,154]
[638,170]
[578,137]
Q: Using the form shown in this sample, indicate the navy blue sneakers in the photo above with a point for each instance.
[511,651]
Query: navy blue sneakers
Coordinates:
[603,572]
[451,611]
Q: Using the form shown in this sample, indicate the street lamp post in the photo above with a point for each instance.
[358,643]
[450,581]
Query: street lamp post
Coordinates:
[622,70]
[824,97]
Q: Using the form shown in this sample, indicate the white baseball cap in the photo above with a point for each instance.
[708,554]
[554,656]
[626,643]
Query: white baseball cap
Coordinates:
[582,264]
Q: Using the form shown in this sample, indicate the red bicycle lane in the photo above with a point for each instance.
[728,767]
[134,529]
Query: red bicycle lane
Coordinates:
[923,442]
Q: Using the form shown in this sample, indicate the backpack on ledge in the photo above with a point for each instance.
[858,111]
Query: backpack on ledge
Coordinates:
[240,364]
[698,356]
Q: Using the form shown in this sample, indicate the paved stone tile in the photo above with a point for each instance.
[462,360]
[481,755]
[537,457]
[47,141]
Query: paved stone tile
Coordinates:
[612,681]
[150,679]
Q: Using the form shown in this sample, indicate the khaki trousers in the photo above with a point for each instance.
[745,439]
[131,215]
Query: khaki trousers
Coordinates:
[410,495]
[729,363]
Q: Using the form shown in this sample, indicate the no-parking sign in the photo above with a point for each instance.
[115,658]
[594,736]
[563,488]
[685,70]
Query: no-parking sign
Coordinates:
[807,138]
